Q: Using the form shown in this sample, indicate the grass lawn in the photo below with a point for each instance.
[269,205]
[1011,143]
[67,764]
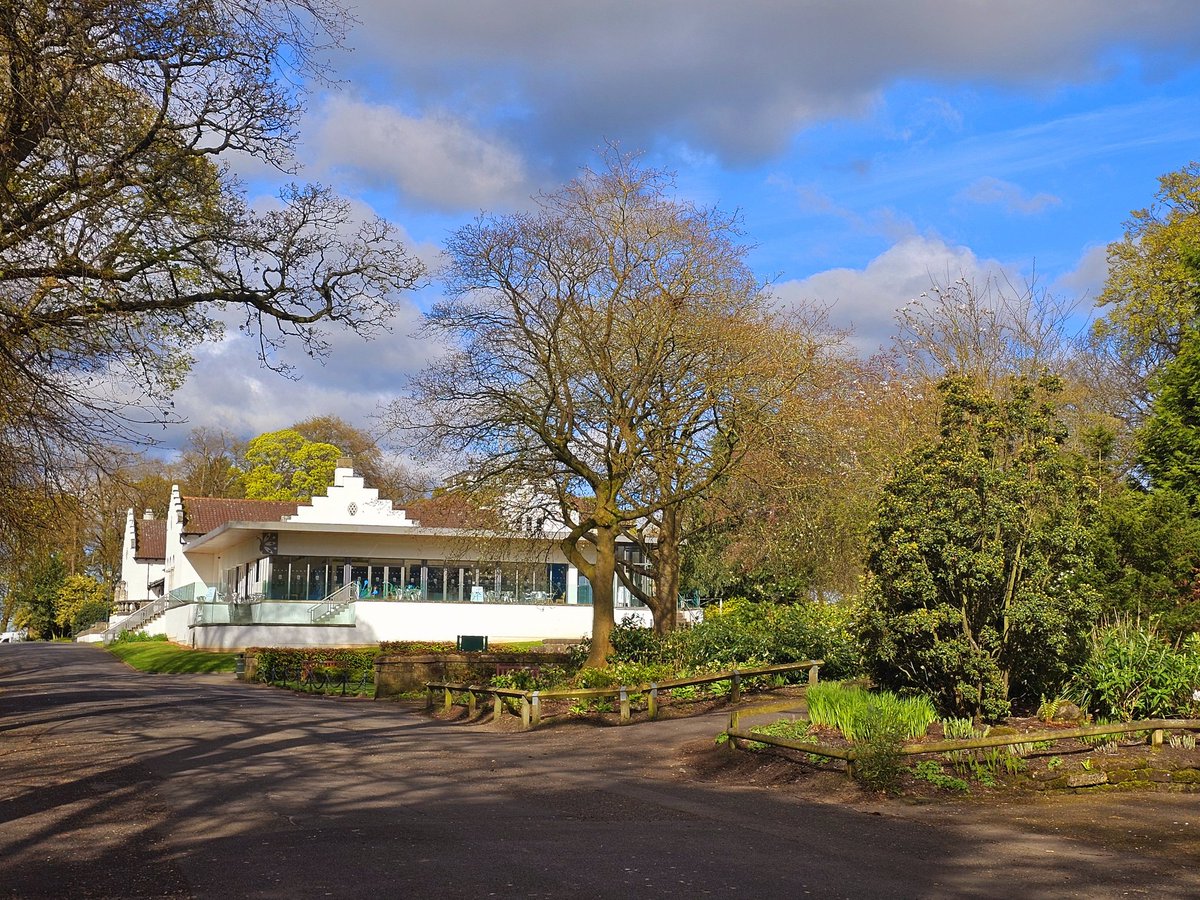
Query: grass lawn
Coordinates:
[160,657]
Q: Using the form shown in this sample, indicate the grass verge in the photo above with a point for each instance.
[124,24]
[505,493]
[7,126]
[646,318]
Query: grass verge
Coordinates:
[161,658]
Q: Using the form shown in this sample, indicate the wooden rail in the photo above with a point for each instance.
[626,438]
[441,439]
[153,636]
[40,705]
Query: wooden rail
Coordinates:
[1156,727]
[531,701]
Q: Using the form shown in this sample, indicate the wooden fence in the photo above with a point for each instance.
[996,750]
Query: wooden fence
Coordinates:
[531,701]
[1155,727]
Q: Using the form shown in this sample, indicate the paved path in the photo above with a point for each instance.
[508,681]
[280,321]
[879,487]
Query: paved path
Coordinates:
[117,784]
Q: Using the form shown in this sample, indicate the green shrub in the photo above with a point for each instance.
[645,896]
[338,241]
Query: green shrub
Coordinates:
[417,648]
[288,663]
[747,635]
[126,637]
[878,763]
[544,679]
[1132,673]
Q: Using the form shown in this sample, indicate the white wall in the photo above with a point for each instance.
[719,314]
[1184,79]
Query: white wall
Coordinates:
[392,621]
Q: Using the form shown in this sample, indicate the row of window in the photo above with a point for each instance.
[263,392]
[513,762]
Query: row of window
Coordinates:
[314,578]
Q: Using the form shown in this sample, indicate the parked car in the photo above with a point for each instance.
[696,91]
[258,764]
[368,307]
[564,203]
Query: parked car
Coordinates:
[11,637]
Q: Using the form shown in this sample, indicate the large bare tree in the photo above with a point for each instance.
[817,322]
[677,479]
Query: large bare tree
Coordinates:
[611,356]
[124,239]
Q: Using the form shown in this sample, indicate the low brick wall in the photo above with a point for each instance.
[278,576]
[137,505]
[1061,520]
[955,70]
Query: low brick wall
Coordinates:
[396,674]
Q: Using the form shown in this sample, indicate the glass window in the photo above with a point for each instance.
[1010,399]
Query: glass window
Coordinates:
[454,583]
[435,583]
[584,592]
[558,582]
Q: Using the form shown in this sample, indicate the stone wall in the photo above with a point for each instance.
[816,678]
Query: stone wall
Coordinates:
[396,674]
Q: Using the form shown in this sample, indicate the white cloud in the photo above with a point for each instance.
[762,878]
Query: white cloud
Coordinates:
[1086,280]
[437,160]
[1010,197]
[865,300]
[228,387]
[741,78]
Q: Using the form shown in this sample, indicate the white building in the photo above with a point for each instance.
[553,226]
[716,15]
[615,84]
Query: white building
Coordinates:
[349,569]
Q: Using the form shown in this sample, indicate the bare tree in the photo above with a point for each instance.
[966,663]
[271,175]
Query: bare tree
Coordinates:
[611,357]
[987,330]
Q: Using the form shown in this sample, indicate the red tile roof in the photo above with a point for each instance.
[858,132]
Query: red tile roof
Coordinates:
[450,511]
[203,514]
[150,539]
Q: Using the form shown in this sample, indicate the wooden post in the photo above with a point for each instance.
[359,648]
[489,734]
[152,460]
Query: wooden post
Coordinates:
[536,705]
[499,708]
[812,674]
[1156,738]
[448,700]
[428,697]
[471,703]
[652,704]
[735,687]
[525,712]
[624,695]
[735,721]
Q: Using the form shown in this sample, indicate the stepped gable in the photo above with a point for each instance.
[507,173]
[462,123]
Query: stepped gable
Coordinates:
[348,501]
[203,514]
[150,539]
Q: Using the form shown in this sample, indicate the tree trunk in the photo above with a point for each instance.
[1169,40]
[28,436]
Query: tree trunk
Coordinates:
[664,603]
[602,575]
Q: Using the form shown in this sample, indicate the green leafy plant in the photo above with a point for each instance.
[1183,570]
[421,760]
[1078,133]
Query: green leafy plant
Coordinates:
[1132,673]
[1054,762]
[932,772]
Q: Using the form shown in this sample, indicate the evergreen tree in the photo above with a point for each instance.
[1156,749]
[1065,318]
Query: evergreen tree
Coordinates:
[980,554]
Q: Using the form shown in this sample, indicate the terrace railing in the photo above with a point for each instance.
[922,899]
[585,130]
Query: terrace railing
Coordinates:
[180,596]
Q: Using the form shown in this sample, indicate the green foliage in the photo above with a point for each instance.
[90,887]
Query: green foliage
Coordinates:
[1150,289]
[82,601]
[138,637]
[1148,558]
[878,763]
[285,465]
[622,673]
[35,590]
[788,729]
[932,772]
[544,679]
[1132,673]
[1169,441]
[747,634]
[980,555]
[855,711]
[282,663]
[958,729]
[417,648]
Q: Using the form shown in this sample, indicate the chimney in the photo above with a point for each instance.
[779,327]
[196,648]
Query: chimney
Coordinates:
[148,514]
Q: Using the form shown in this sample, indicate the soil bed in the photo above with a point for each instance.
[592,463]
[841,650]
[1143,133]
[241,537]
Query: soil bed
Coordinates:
[1073,765]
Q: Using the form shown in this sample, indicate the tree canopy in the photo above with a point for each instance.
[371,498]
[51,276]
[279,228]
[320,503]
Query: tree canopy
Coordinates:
[285,465]
[612,353]
[980,555]
[124,239]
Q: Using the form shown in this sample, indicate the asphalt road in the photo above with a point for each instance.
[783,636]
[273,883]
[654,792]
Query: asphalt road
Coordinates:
[118,784]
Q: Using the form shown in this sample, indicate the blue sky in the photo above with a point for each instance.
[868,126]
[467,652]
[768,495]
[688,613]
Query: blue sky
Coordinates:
[868,145]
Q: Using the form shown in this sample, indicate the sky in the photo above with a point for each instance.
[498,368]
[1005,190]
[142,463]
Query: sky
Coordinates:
[870,147]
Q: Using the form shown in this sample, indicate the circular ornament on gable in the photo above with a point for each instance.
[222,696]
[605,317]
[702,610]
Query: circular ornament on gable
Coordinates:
[352,509]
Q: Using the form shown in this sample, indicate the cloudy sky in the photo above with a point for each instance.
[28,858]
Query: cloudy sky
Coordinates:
[869,145]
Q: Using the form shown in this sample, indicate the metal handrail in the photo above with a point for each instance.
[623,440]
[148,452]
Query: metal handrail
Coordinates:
[343,596]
